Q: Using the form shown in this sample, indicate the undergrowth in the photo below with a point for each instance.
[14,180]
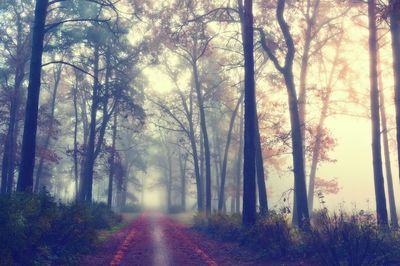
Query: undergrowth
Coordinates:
[37,230]
[338,239]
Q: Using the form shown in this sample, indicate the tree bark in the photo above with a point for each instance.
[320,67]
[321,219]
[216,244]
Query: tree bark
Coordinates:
[262,191]
[375,120]
[182,165]
[386,150]
[25,178]
[239,162]
[249,165]
[203,125]
[221,197]
[169,179]
[9,154]
[57,78]
[75,152]
[300,210]
[90,151]
[302,217]
[395,32]
[112,163]
[8,162]
[193,145]
[310,21]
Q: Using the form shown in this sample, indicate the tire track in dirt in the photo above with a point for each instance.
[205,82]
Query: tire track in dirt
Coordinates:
[154,239]
[183,247]
[122,249]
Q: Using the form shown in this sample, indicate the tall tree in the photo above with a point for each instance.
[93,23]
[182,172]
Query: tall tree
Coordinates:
[394,15]
[25,179]
[318,140]
[18,56]
[249,164]
[87,182]
[386,151]
[112,162]
[300,193]
[375,119]
[50,133]
[221,197]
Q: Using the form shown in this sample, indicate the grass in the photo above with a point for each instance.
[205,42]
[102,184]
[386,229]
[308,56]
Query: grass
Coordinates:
[103,235]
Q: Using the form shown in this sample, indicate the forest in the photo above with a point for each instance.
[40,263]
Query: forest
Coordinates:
[199,132]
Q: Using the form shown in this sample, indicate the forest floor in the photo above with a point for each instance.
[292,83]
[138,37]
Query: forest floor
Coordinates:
[158,240]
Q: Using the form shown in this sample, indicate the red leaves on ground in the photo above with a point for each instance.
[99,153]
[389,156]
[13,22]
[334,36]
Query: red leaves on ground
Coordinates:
[135,245]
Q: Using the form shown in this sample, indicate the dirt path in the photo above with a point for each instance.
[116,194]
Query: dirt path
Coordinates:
[154,239]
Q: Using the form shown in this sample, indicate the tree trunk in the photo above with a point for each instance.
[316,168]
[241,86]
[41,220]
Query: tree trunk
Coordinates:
[203,125]
[112,163]
[9,153]
[193,145]
[25,178]
[90,151]
[308,37]
[249,165]
[217,162]
[262,191]
[300,210]
[8,162]
[310,20]
[169,180]
[202,170]
[75,152]
[182,165]
[57,78]
[318,138]
[221,197]
[199,180]
[395,32]
[386,150]
[239,162]
[375,120]
[302,215]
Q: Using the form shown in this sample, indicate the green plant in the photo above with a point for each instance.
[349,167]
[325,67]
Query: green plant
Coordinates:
[343,239]
[36,230]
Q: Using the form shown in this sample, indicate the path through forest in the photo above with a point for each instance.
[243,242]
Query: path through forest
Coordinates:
[155,239]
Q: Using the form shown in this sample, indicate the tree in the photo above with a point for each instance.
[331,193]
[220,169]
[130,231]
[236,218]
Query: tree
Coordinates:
[112,162]
[394,15]
[50,133]
[17,56]
[249,164]
[319,136]
[40,28]
[25,179]
[179,115]
[375,119]
[221,197]
[286,70]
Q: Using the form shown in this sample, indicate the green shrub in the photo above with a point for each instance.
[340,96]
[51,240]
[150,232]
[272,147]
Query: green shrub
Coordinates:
[225,227]
[342,239]
[104,218]
[272,234]
[36,230]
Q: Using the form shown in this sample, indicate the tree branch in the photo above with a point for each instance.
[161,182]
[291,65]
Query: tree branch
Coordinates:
[56,24]
[69,64]
[268,50]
